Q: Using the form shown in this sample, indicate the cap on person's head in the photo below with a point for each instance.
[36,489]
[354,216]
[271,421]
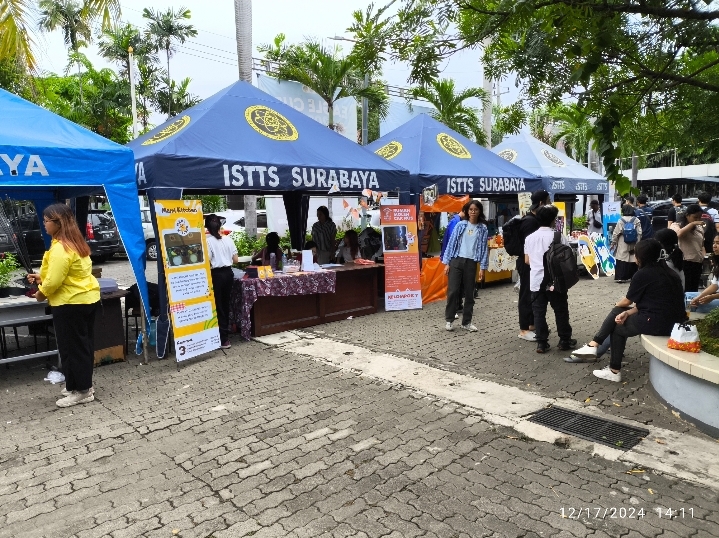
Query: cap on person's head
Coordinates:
[537,198]
[677,198]
[642,199]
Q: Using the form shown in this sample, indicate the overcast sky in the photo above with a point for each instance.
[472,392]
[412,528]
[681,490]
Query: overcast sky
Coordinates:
[210,59]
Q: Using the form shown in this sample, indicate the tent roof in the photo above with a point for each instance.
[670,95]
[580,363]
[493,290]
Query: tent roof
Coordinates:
[242,139]
[437,155]
[561,173]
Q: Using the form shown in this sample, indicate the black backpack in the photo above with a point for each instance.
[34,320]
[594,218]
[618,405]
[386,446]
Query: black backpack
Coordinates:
[513,242]
[560,266]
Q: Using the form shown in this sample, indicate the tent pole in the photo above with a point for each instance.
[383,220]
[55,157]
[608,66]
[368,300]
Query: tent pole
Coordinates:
[145,339]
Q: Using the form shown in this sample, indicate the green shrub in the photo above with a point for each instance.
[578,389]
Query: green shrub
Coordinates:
[709,332]
[580,223]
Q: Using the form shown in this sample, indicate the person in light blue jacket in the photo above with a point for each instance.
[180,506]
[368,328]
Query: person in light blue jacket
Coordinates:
[467,247]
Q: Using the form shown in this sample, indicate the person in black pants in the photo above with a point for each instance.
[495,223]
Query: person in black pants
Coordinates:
[656,292]
[466,248]
[223,253]
[528,226]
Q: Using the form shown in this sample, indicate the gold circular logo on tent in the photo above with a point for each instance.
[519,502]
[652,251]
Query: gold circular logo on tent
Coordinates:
[452,146]
[172,129]
[508,155]
[389,151]
[553,158]
[271,124]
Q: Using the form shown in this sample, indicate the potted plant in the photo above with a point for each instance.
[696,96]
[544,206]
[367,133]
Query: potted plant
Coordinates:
[8,265]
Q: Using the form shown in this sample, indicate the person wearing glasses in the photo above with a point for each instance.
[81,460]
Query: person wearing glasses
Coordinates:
[66,281]
[467,247]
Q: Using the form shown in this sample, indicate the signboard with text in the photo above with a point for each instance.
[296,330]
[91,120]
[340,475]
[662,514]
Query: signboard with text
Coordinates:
[187,270]
[403,290]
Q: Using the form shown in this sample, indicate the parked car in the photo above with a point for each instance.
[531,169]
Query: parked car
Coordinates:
[234,220]
[29,223]
[149,232]
[660,210]
[101,235]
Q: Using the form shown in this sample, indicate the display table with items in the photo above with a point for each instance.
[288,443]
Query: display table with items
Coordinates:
[22,311]
[500,265]
[291,301]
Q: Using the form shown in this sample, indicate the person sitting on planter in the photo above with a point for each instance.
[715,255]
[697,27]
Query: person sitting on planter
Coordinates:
[656,293]
[708,299]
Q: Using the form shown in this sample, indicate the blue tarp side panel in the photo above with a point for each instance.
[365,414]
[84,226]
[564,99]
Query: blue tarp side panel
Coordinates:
[43,156]
[242,139]
[561,174]
[436,155]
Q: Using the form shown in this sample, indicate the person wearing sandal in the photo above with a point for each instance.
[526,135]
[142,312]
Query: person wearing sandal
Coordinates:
[466,248]
[66,281]
[535,247]
[658,299]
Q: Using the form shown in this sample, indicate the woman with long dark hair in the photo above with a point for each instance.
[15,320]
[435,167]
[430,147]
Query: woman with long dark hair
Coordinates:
[324,233]
[708,299]
[223,253]
[66,281]
[658,299]
[466,248]
[272,246]
[626,264]
[673,254]
[349,250]
[690,235]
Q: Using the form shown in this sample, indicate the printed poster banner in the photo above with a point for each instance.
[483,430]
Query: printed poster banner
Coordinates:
[187,269]
[525,202]
[304,100]
[403,290]
[611,213]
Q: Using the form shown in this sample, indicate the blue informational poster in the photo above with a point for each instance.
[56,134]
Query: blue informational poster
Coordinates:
[611,213]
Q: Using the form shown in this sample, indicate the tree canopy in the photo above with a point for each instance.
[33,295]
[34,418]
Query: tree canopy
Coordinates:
[626,62]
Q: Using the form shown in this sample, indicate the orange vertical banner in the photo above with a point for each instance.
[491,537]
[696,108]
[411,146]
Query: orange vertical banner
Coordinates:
[403,290]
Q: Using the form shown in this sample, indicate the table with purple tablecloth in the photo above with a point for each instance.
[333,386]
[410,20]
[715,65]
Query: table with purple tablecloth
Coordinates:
[246,292]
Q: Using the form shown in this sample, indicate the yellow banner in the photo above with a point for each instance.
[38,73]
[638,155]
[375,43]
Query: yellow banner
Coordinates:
[183,246]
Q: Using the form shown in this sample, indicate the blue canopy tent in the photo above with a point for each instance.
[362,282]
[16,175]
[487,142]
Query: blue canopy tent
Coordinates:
[243,141]
[560,174]
[45,158]
[436,155]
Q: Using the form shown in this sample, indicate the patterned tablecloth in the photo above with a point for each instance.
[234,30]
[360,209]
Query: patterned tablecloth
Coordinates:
[246,291]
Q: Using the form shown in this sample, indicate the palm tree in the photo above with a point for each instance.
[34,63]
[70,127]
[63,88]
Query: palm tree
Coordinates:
[329,76]
[166,28]
[69,16]
[177,95]
[573,128]
[451,109]
[15,20]
[115,43]
[146,88]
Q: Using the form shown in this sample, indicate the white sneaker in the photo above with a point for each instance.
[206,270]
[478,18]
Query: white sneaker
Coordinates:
[529,335]
[586,349]
[471,328]
[75,398]
[66,392]
[606,373]
[448,326]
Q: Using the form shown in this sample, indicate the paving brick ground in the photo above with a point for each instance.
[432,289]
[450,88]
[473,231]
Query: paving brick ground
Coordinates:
[495,353]
[262,443]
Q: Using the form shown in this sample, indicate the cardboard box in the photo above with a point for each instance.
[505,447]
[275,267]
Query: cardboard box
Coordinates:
[109,355]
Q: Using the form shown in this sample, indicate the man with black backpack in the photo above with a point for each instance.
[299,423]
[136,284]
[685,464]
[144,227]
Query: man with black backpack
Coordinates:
[710,217]
[548,281]
[514,233]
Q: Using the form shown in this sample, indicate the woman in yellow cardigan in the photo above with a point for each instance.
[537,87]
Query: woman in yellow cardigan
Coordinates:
[66,281]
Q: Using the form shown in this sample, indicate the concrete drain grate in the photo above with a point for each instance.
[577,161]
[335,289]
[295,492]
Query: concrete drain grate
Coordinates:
[599,430]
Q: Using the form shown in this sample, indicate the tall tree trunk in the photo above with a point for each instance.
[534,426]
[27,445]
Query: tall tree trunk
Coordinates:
[331,112]
[243,35]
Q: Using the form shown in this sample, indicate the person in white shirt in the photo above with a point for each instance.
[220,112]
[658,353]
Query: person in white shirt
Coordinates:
[594,218]
[223,253]
[535,246]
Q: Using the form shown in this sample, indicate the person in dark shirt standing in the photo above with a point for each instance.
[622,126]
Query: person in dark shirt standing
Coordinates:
[644,214]
[528,226]
[676,206]
[658,299]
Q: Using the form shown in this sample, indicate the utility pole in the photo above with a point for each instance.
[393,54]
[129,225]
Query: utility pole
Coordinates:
[635,170]
[132,92]
[487,108]
[243,35]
